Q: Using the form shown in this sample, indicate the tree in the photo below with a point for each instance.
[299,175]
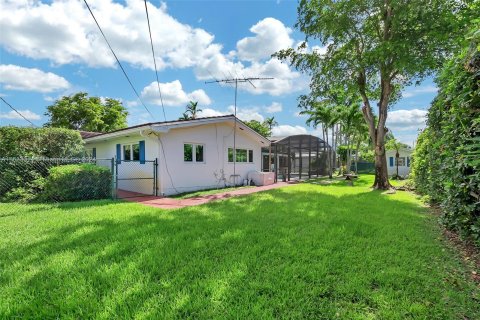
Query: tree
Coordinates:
[321,113]
[259,127]
[192,110]
[374,48]
[270,122]
[184,116]
[80,112]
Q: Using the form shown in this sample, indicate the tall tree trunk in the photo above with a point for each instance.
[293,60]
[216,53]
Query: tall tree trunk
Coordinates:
[334,153]
[329,151]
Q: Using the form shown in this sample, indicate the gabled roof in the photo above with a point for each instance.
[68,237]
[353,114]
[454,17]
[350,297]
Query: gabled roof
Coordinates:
[165,126]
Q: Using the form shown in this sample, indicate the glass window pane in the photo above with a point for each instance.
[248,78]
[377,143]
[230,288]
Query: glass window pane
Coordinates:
[126,152]
[230,154]
[136,152]
[401,161]
[187,152]
[241,155]
[250,155]
[199,153]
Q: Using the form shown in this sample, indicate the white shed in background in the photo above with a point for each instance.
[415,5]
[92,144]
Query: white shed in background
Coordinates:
[404,162]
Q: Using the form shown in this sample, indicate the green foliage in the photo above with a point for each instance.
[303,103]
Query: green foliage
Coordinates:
[191,111]
[80,112]
[373,50]
[307,251]
[39,142]
[77,182]
[261,128]
[446,164]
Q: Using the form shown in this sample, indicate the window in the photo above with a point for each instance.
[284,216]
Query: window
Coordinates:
[241,155]
[193,151]
[131,152]
[401,161]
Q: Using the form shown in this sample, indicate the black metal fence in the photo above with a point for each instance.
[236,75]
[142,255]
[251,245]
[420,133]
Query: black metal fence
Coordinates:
[136,178]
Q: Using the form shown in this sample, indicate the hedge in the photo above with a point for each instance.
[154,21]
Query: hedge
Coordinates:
[77,182]
[446,165]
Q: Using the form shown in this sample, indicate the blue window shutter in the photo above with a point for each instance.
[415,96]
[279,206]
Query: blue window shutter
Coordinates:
[391,161]
[119,153]
[142,151]
[408,161]
[94,153]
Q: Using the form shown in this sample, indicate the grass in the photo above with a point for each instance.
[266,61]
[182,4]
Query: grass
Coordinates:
[206,192]
[308,251]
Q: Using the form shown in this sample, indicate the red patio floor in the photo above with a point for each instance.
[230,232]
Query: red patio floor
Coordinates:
[171,203]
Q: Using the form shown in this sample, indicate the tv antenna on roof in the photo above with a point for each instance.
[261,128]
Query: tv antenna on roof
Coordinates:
[236,81]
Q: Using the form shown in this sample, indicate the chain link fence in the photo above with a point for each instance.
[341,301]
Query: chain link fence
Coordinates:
[37,180]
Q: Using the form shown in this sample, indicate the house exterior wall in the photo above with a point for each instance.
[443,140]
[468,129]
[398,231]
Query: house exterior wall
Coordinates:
[174,174]
[215,171]
[402,170]
[107,150]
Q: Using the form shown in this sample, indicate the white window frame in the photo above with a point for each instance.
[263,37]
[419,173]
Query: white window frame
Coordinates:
[248,155]
[194,153]
[131,151]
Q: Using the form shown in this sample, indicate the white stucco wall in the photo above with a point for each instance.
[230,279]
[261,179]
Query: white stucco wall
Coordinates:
[107,150]
[402,170]
[216,138]
[174,174]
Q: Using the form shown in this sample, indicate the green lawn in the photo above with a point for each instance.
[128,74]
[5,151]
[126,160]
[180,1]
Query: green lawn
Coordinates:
[307,251]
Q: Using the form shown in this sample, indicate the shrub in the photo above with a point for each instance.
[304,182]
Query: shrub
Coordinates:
[39,142]
[76,182]
[446,166]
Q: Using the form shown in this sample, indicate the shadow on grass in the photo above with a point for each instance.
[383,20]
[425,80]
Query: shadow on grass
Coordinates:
[296,252]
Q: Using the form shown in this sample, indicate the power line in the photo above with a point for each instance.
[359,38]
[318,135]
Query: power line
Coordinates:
[21,115]
[116,58]
[154,61]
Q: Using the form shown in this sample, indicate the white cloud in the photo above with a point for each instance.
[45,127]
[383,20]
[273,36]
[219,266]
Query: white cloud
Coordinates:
[12,115]
[208,112]
[173,94]
[403,120]
[30,79]
[271,35]
[274,107]
[418,91]
[298,115]
[246,114]
[64,32]
[287,130]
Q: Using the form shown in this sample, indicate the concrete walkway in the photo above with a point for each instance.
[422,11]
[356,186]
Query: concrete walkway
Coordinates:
[171,203]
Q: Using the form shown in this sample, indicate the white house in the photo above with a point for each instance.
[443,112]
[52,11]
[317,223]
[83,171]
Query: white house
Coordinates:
[190,154]
[404,162]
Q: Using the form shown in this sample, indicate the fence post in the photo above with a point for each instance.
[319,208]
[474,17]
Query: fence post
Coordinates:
[112,166]
[155,173]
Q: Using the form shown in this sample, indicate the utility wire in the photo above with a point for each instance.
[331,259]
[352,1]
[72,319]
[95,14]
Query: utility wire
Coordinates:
[154,61]
[116,58]
[21,115]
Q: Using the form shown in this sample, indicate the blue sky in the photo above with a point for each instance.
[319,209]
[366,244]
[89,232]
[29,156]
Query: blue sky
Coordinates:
[53,48]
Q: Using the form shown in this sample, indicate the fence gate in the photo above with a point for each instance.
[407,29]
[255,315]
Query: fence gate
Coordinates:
[135,178]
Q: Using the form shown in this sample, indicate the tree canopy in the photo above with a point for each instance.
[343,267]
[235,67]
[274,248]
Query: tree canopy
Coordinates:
[81,112]
[260,127]
[373,49]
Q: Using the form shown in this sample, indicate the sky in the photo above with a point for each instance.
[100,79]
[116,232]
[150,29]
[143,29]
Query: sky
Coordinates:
[49,49]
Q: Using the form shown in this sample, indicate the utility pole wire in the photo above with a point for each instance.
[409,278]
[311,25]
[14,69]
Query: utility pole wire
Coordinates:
[154,61]
[116,58]
[21,115]
[236,81]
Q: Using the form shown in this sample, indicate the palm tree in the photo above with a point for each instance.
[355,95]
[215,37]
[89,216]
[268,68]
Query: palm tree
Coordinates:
[192,109]
[271,122]
[322,113]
